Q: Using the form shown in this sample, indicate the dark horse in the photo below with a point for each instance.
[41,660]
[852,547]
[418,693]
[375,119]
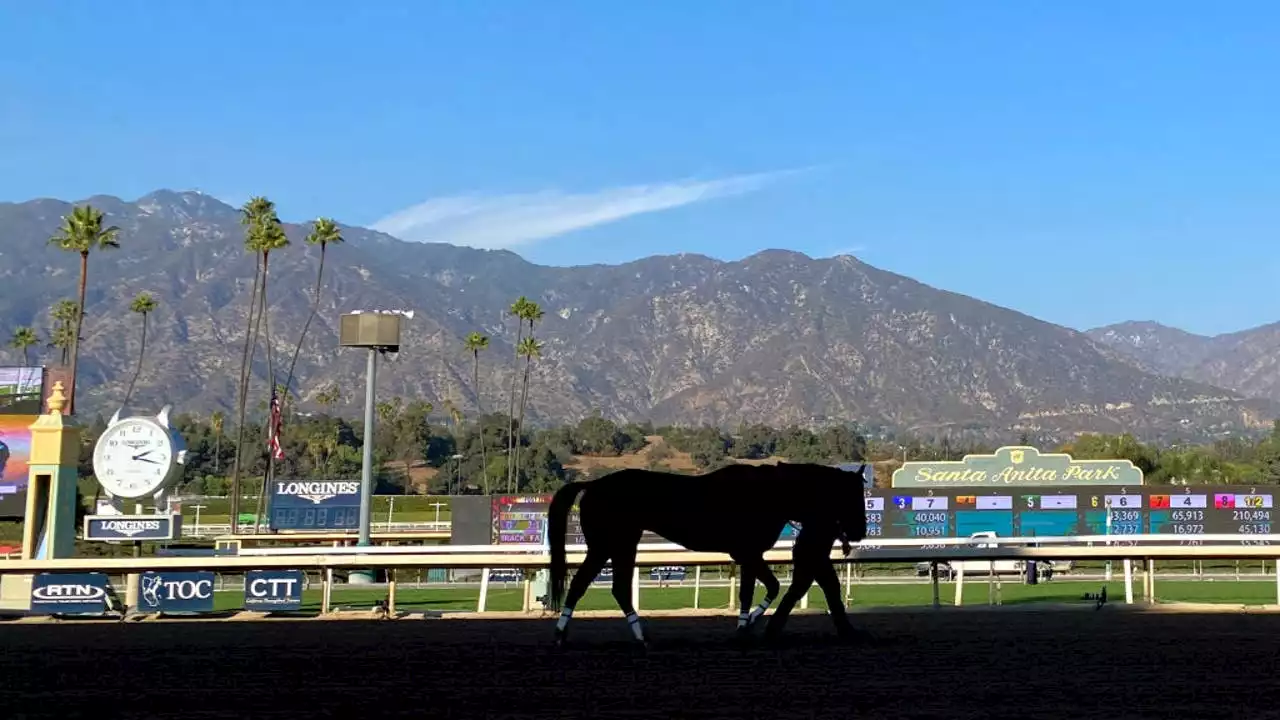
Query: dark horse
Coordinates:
[739,510]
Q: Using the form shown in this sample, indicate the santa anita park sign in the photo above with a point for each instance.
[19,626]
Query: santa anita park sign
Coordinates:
[1016,466]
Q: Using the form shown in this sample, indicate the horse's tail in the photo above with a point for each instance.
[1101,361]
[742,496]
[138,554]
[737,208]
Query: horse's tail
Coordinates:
[557,526]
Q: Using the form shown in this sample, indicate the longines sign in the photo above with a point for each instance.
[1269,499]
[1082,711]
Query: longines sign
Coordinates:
[132,527]
[1012,466]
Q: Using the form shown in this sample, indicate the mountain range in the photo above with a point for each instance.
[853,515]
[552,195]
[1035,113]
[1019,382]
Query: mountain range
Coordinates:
[777,337]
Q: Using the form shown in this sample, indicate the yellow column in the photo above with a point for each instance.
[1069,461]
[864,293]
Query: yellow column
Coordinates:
[48,529]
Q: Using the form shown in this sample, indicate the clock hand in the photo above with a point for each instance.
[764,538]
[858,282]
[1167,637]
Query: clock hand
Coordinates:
[146,460]
[144,452]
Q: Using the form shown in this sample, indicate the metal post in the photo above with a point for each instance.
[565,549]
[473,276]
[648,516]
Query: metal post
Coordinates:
[364,577]
[1128,581]
[697,586]
[366,461]
[484,589]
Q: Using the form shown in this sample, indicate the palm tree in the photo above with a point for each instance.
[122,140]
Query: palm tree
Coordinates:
[143,304]
[263,234]
[476,342]
[518,309]
[329,396]
[63,314]
[82,232]
[531,313]
[216,421]
[324,232]
[529,349]
[23,339]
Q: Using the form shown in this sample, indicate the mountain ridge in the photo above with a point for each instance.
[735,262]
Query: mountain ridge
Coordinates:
[775,337]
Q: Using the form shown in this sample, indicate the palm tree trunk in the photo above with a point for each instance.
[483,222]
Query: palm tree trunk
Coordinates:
[26,356]
[511,408]
[263,503]
[141,353]
[484,453]
[244,393]
[75,337]
[524,398]
[315,307]
[217,450]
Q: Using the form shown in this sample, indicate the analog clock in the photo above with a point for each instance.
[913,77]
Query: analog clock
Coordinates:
[136,457]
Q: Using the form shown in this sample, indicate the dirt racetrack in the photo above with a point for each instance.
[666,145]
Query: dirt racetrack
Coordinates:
[1030,664]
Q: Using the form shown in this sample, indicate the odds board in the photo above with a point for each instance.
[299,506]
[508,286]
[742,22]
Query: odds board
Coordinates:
[1181,512]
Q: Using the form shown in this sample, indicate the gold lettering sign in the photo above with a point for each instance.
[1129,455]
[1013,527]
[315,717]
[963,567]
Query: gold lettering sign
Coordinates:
[1017,466]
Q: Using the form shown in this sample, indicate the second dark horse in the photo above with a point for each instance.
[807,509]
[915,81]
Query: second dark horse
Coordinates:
[739,510]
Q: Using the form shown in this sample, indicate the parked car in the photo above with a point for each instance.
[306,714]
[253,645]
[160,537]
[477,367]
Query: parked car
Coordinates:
[948,569]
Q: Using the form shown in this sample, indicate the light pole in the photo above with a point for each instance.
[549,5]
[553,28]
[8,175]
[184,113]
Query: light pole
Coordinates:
[376,332]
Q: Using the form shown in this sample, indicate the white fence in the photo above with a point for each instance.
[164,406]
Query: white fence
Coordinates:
[190,529]
[327,560]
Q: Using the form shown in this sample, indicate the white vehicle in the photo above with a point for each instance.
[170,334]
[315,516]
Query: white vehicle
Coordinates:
[972,568]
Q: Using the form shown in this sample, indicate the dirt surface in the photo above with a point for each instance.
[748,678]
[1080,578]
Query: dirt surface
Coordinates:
[1034,665]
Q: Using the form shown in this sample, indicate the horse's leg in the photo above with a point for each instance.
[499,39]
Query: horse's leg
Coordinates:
[825,574]
[746,592]
[624,562]
[771,589]
[590,568]
[801,579]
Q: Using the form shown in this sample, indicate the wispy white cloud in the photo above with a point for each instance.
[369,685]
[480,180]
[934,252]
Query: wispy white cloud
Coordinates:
[504,221]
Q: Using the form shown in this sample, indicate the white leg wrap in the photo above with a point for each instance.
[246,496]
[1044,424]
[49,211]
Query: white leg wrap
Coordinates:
[565,614]
[634,621]
[759,609]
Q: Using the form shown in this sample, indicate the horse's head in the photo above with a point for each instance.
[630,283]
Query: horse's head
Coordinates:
[838,496]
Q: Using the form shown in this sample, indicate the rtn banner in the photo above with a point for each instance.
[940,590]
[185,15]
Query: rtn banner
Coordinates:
[176,592]
[69,593]
[273,590]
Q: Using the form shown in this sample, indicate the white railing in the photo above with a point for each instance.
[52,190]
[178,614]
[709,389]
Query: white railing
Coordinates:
[327,560]
[190,529]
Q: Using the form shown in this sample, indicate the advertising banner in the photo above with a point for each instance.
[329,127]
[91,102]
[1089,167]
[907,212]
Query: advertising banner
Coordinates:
[132,527]
[169,592]
[273,590]
[69,593]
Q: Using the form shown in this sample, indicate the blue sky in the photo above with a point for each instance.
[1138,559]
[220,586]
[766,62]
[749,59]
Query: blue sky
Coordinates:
[1084,162]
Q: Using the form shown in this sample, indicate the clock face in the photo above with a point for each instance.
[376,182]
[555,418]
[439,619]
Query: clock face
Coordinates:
[133,458]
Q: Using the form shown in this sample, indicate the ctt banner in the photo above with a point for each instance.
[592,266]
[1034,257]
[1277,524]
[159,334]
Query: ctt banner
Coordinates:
[69,593]
[273,590]
[182,592]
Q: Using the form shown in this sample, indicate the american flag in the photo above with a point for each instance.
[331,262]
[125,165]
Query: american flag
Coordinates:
[273,433]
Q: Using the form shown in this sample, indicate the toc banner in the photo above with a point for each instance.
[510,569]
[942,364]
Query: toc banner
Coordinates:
[79,593]
[176,592]
[273,590]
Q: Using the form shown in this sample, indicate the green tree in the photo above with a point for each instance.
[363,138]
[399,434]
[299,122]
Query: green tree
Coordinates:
[324,232]
[529,349]
[519,309]
[24,338]
[82,232]
[63,315]
[144,304]
[216,422]
[475,343]
[263,233]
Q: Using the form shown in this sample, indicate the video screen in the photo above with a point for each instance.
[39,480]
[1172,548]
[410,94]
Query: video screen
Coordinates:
[15,454]
[21,390]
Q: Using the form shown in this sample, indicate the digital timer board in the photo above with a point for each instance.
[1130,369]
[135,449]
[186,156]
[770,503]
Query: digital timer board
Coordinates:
[522,520]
